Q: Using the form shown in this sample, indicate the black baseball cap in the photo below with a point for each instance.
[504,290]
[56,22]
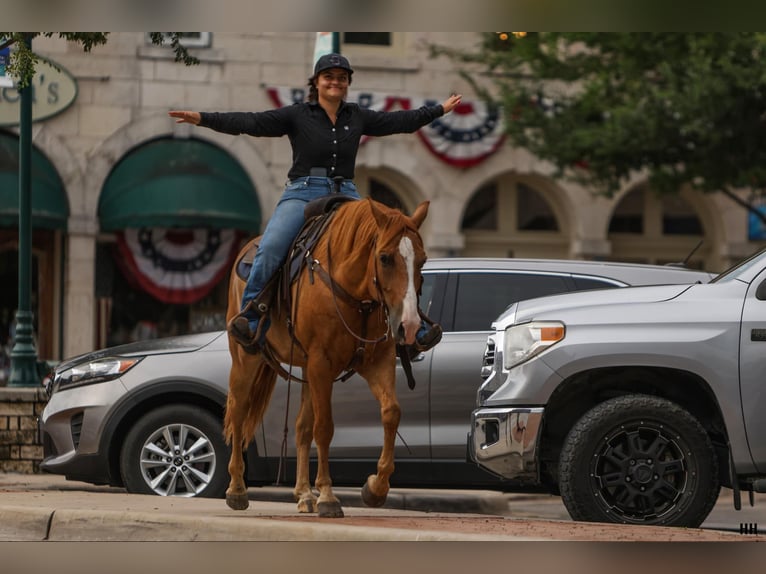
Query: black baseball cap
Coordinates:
[332,61]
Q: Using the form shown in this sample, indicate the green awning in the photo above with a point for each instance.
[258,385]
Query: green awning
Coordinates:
[179,183]
[50,207]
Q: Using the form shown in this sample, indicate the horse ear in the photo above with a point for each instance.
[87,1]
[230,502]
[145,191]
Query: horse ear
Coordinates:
[380,217]
[420,214]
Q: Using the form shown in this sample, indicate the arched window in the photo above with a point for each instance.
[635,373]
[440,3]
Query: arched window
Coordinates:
[534,212]
[481,211]
[507,217]
[379,191]
[649,228]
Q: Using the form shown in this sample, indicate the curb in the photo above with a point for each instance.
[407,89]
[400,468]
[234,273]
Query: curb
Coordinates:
[45,524]
[421,500]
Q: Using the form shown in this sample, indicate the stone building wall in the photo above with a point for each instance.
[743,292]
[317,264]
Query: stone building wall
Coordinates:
[21,448]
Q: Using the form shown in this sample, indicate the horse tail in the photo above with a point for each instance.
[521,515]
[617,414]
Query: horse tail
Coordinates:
[246,402]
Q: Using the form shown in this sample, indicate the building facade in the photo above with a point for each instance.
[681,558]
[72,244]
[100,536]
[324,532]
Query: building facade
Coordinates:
[136,218]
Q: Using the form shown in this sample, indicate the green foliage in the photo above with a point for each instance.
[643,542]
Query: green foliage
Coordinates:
[684,108]
[23,59]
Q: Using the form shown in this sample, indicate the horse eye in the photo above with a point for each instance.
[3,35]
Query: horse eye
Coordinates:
[386,259]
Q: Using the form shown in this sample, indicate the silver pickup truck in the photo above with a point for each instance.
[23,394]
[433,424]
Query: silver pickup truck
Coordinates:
[635,405]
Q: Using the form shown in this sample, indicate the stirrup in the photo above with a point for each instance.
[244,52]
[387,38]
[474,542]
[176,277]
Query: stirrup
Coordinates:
[239,329]
[429,340]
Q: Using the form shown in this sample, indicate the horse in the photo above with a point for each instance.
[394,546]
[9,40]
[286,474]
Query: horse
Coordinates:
[368,257]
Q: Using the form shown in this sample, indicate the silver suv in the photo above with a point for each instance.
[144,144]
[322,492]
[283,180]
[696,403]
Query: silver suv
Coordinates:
[636,405]
[111,412]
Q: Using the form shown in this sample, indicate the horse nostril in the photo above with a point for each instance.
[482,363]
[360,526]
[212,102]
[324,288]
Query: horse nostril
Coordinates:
[400,334]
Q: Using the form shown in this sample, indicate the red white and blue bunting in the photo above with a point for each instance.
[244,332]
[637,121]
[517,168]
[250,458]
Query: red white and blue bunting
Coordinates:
[463,138]
[178,266]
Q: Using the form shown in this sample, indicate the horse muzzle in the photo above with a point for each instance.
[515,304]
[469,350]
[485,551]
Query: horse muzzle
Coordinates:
[405,334]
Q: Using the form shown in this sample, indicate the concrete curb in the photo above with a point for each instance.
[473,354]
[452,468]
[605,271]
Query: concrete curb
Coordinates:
[420,500]
[44,524]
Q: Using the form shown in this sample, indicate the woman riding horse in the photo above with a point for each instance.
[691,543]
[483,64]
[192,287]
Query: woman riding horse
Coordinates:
[324,133]
[352,304]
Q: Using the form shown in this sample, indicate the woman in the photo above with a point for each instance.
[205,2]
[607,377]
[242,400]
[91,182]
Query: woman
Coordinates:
[324,133]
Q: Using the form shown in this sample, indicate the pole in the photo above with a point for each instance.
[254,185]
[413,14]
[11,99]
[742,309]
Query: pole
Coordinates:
[24,353]
[336,42]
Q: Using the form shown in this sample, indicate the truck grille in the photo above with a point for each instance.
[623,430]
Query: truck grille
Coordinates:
[489,359]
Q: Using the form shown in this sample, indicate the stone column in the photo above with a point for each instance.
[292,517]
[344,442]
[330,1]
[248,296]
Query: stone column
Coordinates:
[79,287]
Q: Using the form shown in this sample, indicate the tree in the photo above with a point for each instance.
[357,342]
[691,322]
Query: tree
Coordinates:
[683,108]
[23,60]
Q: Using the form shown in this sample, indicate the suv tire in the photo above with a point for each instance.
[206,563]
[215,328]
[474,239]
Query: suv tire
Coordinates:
[195,459]
[639,459]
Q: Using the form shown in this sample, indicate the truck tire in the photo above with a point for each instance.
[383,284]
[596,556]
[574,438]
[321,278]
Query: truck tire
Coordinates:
[176,450]
[639,459]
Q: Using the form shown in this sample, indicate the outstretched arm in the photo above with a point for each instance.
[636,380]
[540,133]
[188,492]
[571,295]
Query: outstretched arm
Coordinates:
[185,117]
[450,103]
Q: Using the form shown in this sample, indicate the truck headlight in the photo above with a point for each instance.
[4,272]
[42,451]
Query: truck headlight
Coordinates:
[522,342]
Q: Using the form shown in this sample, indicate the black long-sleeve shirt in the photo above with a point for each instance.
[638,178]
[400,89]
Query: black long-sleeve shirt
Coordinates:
[316,142]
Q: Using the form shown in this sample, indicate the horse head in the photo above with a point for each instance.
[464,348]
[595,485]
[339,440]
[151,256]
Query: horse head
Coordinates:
[399,256]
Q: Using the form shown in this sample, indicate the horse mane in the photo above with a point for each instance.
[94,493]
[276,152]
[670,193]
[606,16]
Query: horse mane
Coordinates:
[355,225]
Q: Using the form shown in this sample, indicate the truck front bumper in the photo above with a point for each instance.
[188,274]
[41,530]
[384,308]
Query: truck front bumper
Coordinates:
[504,441]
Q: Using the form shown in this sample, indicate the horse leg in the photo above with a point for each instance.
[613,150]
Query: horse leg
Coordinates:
[236,410]
[321,397]
[375,490]
[304,424]
[251,384]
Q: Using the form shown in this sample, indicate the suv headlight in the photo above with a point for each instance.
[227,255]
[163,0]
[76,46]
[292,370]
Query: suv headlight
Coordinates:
[97,371]
[522,342]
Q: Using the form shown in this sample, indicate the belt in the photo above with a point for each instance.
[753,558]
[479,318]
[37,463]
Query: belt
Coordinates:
[318,172]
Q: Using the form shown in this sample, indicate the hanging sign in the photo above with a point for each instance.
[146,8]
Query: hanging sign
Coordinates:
[53,90]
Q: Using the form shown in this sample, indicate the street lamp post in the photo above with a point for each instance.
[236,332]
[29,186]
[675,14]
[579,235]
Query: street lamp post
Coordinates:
[24,353]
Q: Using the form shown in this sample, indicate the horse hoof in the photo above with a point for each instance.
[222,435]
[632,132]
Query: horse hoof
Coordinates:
[307,506]
[237,501]
[330,510]
[371,499]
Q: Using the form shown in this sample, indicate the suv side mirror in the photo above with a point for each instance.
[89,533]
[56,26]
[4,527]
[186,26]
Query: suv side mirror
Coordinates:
[760,293]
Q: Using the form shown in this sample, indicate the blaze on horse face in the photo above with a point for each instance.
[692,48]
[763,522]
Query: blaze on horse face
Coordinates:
[399,258]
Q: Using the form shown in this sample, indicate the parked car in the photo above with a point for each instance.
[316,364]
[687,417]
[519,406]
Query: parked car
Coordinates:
[636,405]
[148,415]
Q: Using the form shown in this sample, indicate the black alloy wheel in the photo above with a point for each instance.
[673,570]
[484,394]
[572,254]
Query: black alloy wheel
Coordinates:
[639,459]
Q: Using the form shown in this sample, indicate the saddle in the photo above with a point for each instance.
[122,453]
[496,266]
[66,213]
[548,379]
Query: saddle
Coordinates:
[317,215]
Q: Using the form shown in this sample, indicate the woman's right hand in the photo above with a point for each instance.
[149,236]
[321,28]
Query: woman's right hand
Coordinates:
[184,117]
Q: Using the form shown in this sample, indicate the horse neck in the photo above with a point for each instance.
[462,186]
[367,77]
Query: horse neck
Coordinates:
[351,239]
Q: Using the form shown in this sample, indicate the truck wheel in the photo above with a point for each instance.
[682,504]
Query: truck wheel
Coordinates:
[639,459]
[176,450]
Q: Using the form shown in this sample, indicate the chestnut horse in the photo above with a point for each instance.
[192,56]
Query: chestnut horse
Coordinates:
[374,254]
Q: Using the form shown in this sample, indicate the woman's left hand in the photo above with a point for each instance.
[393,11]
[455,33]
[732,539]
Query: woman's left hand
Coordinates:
[450,103]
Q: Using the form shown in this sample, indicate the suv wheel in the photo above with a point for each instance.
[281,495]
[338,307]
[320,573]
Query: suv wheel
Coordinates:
[176,451]
[639,459]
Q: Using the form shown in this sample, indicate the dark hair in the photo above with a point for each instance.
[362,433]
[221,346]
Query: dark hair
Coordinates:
[313,95]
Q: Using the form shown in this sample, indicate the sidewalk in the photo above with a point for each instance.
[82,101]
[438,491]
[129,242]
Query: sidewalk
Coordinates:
[48,507]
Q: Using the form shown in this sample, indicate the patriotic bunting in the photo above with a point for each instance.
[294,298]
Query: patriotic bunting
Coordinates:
[177,266]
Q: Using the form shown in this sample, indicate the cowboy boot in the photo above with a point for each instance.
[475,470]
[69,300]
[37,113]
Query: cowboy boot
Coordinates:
[427,336]
[239,330]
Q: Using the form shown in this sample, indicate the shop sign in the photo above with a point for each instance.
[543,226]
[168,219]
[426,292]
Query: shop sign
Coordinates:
[54,89]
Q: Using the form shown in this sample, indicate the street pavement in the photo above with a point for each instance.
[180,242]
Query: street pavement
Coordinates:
[45,507]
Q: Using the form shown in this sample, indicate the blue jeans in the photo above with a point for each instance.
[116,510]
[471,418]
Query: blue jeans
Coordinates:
[282,229]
